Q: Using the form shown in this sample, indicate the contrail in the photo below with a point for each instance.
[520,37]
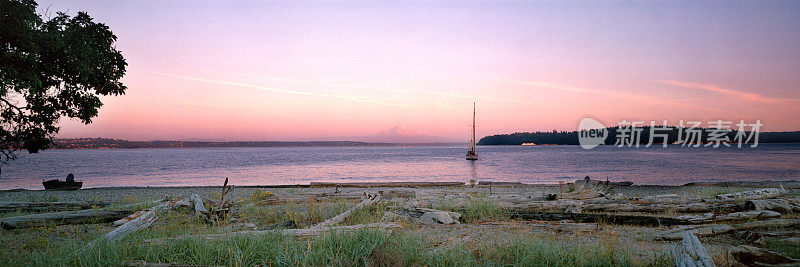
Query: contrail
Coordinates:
[410,92]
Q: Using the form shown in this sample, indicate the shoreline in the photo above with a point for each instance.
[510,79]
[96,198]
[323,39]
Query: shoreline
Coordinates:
[786,183]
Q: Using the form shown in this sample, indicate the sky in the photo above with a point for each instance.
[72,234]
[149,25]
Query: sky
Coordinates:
[303,70]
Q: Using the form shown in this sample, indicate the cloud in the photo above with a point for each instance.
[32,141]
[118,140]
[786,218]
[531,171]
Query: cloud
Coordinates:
[729,92]
[294,92]
[638,98]
[350,86]
[444,105]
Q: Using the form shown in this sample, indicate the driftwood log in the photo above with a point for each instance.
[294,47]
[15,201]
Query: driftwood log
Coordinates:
[219,211]
[779,205]
[421,215]
[753,256]
[768,224]
[62,218]
[716,229]
[200,209]
[716,217]
[293,232]
[139,223]
[662,207]
[641,220]
[11,206]
[749,195]
[691,253]
[368,201]
[698,230]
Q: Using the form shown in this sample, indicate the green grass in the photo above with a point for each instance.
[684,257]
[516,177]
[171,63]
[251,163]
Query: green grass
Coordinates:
[784,247]
[367,247]
[476,209]
[64,245]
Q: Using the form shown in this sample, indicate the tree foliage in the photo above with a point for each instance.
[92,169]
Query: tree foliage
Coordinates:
[49,69]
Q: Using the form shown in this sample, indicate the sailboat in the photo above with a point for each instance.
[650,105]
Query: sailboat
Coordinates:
[471,155]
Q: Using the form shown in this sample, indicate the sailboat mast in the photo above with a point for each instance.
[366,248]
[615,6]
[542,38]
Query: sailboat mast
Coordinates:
[473,127]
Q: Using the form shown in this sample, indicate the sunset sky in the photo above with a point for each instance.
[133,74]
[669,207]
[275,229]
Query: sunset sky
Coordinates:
[298,70]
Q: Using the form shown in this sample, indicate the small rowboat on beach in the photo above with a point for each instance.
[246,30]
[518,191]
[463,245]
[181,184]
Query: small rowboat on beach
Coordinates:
[69,184]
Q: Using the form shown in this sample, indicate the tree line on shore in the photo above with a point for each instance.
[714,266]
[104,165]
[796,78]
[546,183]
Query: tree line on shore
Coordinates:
[673,135]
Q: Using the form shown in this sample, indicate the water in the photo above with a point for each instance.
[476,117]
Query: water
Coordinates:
[269,166]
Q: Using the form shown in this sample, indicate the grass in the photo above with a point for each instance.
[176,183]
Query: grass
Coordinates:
[476,209]
[64,245]
[784,247]
[367,247]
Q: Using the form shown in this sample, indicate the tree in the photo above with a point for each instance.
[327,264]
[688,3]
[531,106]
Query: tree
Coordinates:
[50,69]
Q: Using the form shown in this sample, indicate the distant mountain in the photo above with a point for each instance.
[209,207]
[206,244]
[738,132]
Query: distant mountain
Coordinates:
[398,134]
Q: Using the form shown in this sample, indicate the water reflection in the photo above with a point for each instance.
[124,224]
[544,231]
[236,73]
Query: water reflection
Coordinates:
[265,166]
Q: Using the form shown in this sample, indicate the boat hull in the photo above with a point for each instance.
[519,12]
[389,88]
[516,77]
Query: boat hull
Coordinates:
[57,185]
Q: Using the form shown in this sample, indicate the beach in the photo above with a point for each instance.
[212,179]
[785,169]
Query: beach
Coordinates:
[491,223]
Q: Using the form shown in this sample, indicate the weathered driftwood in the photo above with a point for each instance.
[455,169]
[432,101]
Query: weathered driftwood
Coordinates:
[691,253]
[64,217]
[386,184]
[716,229]
[716,217]
[200,209]
[219,211]
[128,218]
[753,256]
[779,205]
[11,206]
[141,222]
[293,232]
[368,201]
[420,215]
[642,220]
[768,224]
[662,207]
[698,230]
[667,198]
[749,195]
[586,190]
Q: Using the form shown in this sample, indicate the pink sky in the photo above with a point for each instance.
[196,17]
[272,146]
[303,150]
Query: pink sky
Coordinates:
[301,70]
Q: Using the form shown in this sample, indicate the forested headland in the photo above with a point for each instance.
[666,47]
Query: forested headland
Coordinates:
[571,138]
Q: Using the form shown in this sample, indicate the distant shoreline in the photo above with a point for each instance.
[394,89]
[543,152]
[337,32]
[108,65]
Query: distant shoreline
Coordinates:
[107,143]
[787,183]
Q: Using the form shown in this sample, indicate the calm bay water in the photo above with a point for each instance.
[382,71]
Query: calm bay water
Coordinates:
[268,166]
